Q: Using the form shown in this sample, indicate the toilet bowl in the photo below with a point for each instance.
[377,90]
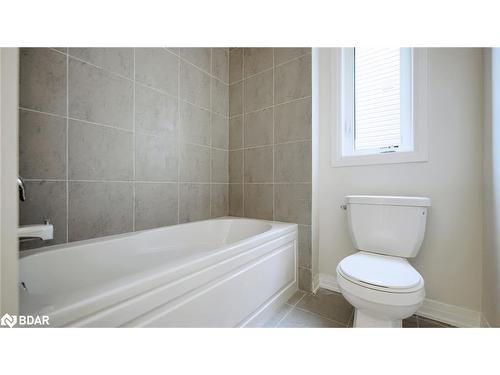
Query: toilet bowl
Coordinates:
[384,290]
[378,280]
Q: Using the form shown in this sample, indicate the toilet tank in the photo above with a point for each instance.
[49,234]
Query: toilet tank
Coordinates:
[388,225]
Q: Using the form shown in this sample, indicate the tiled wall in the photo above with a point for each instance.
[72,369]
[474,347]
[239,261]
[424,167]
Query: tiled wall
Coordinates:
[270,140]
[114,140]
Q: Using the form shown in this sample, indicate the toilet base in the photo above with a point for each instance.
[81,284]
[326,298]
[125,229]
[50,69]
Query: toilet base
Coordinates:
[362,319]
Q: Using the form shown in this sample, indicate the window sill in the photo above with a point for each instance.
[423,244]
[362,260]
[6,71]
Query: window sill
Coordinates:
[377,159]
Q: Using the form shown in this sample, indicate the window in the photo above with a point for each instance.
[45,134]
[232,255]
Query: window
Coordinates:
[382,106]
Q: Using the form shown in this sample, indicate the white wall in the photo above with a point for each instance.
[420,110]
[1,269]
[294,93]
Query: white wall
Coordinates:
[9,65]
[451,256]
[491,164]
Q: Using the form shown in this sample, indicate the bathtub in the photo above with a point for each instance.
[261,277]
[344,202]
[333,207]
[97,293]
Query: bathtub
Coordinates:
[227,272]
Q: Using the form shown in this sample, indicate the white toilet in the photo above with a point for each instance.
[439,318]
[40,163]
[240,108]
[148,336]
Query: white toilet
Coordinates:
[378,280]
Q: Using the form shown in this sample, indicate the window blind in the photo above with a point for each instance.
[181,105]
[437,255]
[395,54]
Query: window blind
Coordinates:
[377,102]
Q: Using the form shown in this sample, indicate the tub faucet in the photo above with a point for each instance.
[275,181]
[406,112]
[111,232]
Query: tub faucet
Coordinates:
[22,188]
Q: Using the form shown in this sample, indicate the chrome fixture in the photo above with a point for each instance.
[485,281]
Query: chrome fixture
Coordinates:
[22,188]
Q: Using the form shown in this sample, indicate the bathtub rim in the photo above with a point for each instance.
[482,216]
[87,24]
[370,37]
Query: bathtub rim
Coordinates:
[67,245]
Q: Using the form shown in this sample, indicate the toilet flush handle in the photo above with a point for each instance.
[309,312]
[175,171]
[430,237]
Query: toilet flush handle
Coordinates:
[343,206]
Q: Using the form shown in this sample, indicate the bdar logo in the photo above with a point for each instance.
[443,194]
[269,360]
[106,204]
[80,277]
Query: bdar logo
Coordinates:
[8,320]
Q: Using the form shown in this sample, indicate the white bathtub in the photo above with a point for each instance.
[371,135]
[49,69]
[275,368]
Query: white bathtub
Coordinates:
[227,272]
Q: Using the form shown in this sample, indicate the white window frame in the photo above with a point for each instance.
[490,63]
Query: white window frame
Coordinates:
[414,147]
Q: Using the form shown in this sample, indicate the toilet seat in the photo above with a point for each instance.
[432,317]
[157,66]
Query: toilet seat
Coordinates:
[381,272]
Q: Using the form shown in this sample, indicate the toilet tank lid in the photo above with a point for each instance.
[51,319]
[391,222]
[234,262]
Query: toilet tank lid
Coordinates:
[388,200]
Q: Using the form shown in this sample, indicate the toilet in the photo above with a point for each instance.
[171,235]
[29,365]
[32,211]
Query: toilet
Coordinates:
[378,280]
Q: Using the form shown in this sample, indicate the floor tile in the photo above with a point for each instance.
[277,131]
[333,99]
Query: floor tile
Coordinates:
[429,323]
[410,322]
[302,319]
[276,318]
[331,305]
[296,297]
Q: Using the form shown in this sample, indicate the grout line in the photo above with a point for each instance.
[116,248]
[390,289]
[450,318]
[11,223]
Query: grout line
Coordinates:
[153,88]
[274,146]
[196,66]
[271,106]
[211,143]
[133,145]
[227,136]
[270,144]
[67,149]
[179,57]
[268,69]
[119,181]
[178,140]
[321,316]
[289,311]
[243,129]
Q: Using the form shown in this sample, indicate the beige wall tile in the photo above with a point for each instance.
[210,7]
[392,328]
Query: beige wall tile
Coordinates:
[258,201]
[158,68]
[155,205]
[194,202]
[292,121]
[220,131]
[259,128]
[293,80]
[220,97]
[155,112]
[236,199]
[220,64]
[282,55]
[220,170]
[195,163]
[305,279]
[195,124]
[219,200]
[304,246]
[116,60]
[292,162]
[98,209]
[235,65]
[98,152]
[156,158]
[258,164]
[259,91]
[235,99]
[42,83]
[293,203]
[201,57]
[42,146]
[236,166]
[99,96]
[257,60]
[194,85]
[236,132]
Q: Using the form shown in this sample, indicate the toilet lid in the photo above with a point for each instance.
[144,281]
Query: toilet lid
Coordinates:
[380,270]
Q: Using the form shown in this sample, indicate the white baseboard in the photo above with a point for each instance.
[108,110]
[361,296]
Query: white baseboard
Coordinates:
[451,314]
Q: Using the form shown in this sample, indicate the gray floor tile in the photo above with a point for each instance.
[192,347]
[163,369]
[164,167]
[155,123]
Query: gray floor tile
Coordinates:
[430,323]
[276,318]
[296,297]
[302,319]
[410,322]
[329,304]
